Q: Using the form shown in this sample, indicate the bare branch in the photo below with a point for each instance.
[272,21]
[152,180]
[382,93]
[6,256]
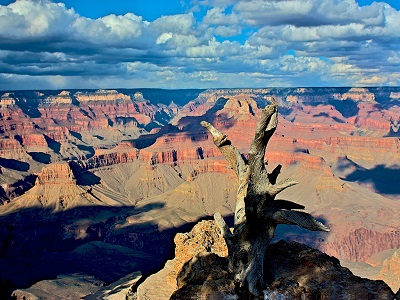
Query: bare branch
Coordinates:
[299,218]
[265,129]
[232,155]
[274,174]
[286,204]
[217,135]
[240,209]
[273,190]
[224,229]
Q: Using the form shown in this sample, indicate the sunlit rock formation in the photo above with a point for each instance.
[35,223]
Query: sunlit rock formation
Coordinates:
[6,101]
[101,95]
[63,97]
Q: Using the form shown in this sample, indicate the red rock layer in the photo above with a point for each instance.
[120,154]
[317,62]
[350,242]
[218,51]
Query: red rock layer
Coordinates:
[110,158]
[361,243]
[11,148]
[33,140]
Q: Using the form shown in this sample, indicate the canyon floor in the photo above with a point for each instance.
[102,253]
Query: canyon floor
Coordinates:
[94,185]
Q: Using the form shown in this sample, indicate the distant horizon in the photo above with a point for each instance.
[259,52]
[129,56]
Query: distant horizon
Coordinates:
[203,89]
[202,44]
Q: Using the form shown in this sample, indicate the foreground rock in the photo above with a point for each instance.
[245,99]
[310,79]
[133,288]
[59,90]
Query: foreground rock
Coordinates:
[297,270]
[292,271]
[202,240]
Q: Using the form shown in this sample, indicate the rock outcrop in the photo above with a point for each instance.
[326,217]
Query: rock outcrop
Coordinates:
[361,243]
[203,239]
[293,271]
[55,188]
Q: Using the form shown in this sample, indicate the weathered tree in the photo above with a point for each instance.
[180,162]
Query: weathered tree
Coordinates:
[257,212]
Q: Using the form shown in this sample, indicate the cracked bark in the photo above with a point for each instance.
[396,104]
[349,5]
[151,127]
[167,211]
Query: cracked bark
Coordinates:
[257,213]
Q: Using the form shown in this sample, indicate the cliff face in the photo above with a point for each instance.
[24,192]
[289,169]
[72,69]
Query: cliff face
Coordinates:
[362,243]
[358,94]
[37,129]
[63,97]
[102,158]
[11,148]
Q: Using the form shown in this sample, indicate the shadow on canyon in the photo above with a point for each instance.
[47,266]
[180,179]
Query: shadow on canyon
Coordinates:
[41,157]
[29,104]
[38,244]
[385,180]
[347,108]
[14,164]
[179,96]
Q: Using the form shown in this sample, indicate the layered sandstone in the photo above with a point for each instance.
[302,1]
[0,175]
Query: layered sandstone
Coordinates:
[34,142]
[11,148]
[101,95]
[395,95]
[104,115]
[362,243]
[63,97]
[56,173]
[102,158]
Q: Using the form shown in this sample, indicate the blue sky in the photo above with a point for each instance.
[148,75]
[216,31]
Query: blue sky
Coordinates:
[198,43]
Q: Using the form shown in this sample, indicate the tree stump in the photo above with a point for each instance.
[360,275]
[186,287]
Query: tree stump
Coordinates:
[257,212]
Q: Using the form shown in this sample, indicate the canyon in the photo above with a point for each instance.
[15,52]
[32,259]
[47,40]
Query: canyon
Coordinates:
[111,176]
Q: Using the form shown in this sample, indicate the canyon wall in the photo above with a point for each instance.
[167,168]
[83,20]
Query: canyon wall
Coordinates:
[115,149]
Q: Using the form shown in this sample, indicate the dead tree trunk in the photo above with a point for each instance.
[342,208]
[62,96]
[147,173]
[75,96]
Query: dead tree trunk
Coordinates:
[257,213]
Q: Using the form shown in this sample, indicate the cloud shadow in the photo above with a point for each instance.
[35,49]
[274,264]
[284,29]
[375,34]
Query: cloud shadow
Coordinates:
[14,164]
[385,180]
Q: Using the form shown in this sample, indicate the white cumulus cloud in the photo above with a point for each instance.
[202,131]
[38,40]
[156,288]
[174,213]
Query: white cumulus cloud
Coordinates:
[216,43]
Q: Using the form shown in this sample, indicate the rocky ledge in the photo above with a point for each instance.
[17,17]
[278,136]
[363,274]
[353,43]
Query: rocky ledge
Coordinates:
[293,271]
